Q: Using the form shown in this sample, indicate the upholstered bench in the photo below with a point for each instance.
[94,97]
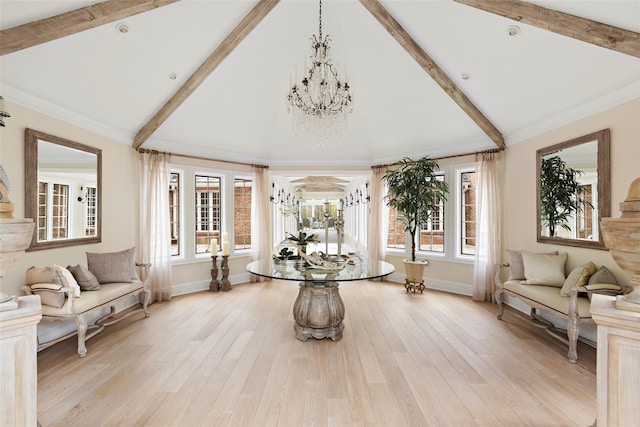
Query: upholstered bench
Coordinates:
[63,297]
[539,281]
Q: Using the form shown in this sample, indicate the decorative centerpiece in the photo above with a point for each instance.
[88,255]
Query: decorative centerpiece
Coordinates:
[622,238]
[302,240]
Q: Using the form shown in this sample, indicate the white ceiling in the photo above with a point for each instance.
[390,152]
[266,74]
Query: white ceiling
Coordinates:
[114,83]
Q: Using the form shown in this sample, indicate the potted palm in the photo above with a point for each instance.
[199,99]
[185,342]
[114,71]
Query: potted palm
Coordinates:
[414,190]
[561,194]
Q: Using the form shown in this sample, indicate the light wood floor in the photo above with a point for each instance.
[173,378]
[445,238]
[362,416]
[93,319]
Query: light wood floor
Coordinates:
[231,358]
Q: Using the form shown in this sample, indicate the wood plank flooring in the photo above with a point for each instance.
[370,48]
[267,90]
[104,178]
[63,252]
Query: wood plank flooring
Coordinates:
[231,359]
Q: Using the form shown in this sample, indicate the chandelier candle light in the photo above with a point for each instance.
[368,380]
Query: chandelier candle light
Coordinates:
[321,102]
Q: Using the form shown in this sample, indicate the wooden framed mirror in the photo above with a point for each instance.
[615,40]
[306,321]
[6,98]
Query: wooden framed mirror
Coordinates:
[573,191]
[63,182]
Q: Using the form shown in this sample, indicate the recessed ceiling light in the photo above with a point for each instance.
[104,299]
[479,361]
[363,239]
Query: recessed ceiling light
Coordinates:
[466,76]
[173,76]
[513,30]
[123,27]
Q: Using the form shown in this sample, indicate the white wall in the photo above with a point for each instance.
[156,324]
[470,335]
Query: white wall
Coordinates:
[120,191]
[520,180]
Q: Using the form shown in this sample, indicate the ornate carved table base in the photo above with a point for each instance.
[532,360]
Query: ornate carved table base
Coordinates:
[318,311]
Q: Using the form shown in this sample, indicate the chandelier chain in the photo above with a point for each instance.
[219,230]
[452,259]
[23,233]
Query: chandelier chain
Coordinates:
[320,21]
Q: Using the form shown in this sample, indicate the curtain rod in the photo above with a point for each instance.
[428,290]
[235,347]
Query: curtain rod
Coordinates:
[452,156]
[144,150]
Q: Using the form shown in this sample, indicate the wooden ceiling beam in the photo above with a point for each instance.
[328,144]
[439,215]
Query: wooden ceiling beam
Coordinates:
[586,30]
[45,30]
[430,66]
[234,38]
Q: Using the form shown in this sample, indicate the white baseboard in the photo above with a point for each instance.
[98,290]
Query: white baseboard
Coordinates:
[203,285]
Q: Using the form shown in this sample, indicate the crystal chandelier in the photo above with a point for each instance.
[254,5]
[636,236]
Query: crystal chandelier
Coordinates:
[321,102]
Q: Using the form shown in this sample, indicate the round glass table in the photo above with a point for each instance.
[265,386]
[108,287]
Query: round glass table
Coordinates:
[319,310]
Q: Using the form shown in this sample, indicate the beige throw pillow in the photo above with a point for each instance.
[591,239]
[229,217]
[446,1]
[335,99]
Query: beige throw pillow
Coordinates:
[516,265]
[544,269]
[113,267]
[579,276]
[41,275]
[49,293]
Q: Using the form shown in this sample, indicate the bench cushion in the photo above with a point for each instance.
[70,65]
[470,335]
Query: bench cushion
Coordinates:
[91,299]
[548,296]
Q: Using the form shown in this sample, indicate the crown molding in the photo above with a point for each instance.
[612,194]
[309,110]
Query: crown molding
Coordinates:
[626,92]
[15,94]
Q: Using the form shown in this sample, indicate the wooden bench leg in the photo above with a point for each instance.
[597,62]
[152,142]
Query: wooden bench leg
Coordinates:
[573,330]
[81,322]
[499,294]
[146,300]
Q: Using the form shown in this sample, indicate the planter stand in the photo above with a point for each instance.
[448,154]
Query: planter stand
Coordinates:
[413,286]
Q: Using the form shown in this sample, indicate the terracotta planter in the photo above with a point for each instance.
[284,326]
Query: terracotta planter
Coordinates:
[414,270]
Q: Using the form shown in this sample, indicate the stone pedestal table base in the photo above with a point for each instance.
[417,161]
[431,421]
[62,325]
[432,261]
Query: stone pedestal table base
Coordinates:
[318,311]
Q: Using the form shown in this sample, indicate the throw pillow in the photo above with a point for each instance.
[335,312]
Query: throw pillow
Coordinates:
[516,265]
[49,293]
[66,279]
[113,266]
[603,275]
[86,280]
[579,276]
[40,275]
[544,269]
[604,289]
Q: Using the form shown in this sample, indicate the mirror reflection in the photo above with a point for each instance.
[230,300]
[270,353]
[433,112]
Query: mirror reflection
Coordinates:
[63,191]
[573,190]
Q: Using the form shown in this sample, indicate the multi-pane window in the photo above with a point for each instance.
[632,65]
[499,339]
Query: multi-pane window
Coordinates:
[395,237]
[467,197]
[60,212]
[242,213]
[43,190]
[584,224]
[207,211]
[432,234]
[91,199]
[174,212]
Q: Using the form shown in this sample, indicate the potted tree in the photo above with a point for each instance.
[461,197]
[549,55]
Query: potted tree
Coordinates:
[414,190]
[561,194]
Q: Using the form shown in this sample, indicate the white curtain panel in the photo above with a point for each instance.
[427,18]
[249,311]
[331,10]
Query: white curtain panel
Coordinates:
[155,238]
[260,221]
[378,218]
[488,225]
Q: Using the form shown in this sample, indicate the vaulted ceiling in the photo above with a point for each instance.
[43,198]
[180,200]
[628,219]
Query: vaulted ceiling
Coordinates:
[233,63]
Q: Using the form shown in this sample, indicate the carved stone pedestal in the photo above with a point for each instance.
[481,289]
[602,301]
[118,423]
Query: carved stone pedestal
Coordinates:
[318,311]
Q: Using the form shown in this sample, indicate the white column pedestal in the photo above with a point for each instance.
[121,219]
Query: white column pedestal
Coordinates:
[618,365]
[18,363]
